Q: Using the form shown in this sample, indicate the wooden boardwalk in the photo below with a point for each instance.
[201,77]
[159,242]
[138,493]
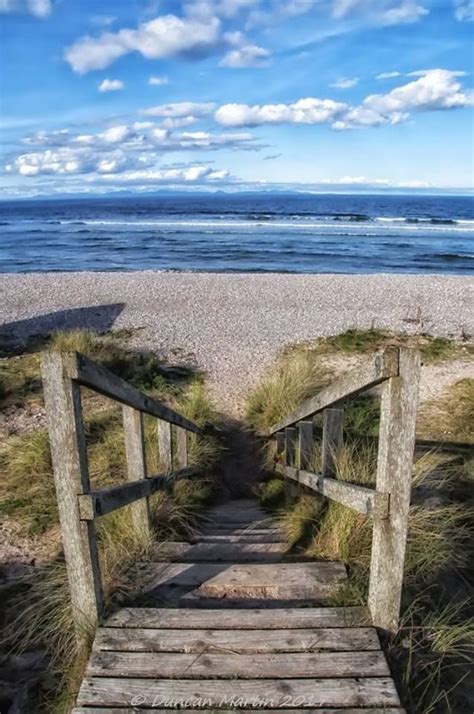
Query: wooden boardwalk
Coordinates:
[238,624]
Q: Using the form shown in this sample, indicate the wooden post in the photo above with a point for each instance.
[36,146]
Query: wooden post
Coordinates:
[394,476]
[136,465]
[291,434]
[305,446]
[71,477]
[181,447]
[164,444]
[280,445]
[333,425]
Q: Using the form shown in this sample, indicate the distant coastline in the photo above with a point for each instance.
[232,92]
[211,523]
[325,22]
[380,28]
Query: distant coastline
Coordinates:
[241,233]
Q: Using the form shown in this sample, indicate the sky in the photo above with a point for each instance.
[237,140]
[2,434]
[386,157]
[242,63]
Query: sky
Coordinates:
[235,95]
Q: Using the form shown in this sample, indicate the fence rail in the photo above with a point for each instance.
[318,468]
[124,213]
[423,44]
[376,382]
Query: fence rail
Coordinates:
[397,371]
[78,505]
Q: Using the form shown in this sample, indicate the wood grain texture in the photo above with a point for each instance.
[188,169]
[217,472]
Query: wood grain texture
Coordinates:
[345,710]
[282,618]
[291,441]
[375,370]
[281,693]
[99,503]
[360,499]
[338,639]
[394,474]
[333,420]
[227,665]
[181,447]
[305,443]
[220,552]
[89,374]
[71,477]
[165,445]
[136,466]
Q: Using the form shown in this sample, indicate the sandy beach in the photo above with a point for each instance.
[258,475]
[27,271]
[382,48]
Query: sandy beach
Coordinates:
[232,325]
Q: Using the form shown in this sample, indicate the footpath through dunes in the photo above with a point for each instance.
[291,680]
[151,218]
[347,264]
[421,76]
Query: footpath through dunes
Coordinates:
[234,621]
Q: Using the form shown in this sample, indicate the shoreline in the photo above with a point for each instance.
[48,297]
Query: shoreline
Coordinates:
[232,325]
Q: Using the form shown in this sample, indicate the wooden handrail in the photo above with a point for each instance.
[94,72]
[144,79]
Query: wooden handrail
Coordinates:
[78,506]
[103,501]
[398,370]
[377,369]
[89,374]
[361,499]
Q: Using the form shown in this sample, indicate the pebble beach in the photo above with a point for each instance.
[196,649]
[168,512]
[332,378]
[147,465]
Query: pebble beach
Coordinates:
[231,326]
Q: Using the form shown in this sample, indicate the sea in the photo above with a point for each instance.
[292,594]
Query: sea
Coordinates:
[290,233]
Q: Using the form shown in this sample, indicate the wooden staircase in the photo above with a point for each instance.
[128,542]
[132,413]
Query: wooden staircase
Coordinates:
[238,624]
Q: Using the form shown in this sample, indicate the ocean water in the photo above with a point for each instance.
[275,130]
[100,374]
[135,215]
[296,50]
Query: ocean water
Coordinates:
[261,232]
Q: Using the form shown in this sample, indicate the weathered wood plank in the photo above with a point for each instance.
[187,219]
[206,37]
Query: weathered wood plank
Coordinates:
[306,693]
[305,446]
[165,448]
[136,639]
[376,370]
[181,447]
[71,477]
[283,581]
[164,665]
[245,538]
[394,475]
[96,377]
[220,552]
[282,618]
[363,500]
[130,710]
[291,436]
[280,445]
[332,440]
[136,465]
[99,503]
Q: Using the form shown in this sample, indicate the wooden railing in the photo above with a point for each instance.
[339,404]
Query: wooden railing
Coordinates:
[397,370]
[63,375]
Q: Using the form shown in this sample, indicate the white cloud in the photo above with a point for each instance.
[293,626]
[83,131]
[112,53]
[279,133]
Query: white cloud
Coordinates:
[464,10]
[345,83]
[180,109]
[435,89]
[38,8]
[243,53]
[158,81]
[69,161]
[384,12]
[165,36]
[103,20]
[111,85]
[190,174]
[304,111]
[388,75]
[247,55]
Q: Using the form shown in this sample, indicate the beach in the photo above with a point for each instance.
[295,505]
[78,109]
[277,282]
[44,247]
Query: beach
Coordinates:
[232,326]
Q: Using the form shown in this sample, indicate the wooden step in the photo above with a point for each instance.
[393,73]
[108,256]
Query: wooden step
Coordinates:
[338,639]
[286,581]
[246,537]
[279,693]
[231,665]
[282,618]
[133,710]
[220,552]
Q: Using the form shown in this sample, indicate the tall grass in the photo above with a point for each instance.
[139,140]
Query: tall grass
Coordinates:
[430,652]
[36,611]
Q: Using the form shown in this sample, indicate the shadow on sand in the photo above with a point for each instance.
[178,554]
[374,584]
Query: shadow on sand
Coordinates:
[15,336]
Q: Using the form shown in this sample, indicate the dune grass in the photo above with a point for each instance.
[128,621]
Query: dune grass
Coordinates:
[36,612]
[430,652]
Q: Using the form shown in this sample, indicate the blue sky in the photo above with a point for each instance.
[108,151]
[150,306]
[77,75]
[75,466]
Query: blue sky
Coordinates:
[312,95]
